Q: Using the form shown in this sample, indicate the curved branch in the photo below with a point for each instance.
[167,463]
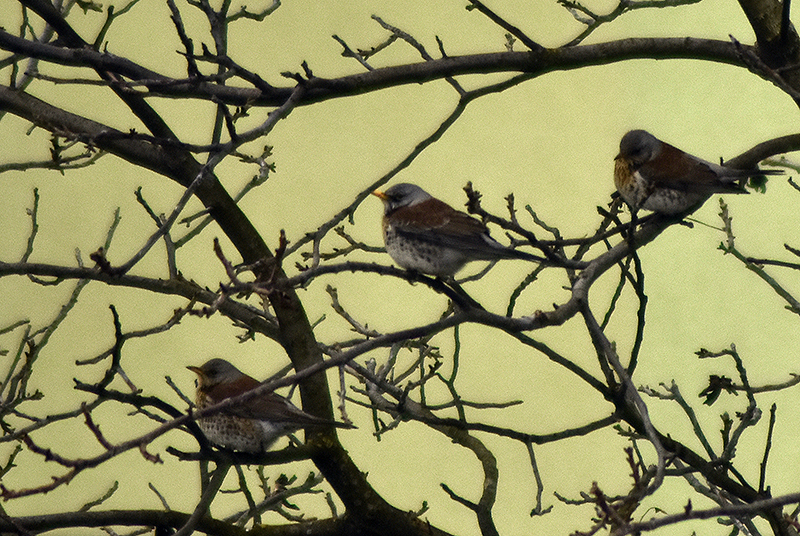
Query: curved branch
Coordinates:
[764,150]
[731,510]
[174,287]
[536,62]
[165,519]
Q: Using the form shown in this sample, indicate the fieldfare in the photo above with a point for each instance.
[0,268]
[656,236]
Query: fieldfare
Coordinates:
[428,236]
[254,425]
[653,175]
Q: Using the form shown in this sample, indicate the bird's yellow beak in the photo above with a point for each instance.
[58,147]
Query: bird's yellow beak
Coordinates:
[201,376]
[381,195]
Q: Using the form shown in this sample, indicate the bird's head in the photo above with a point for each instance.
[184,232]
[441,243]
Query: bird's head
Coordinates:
[638,147]
[214,372]
[401,195]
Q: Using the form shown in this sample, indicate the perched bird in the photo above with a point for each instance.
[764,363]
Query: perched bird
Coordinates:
[428,236]
[653,175]
[254,425]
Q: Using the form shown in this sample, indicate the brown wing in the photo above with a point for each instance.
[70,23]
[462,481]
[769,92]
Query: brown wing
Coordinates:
[273,408]
[277,409]
[677,170]
[435,215]
[437,223]
[224,390]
